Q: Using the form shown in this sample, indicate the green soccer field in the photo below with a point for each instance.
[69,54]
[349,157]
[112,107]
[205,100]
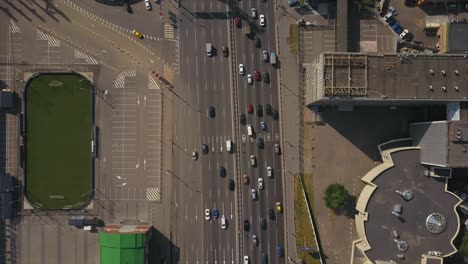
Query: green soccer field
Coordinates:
[59,120]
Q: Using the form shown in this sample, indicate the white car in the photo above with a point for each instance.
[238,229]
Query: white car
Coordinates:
[254,194]
[387,17]
[260,183]
[241,69]
[246,259]
[194,155]
[262,20]
[253,13]
[249,79]
[223,222]
[148,4]
[404,33]
[269,172]
[207,214]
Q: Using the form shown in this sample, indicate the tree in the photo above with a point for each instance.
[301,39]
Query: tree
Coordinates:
[336,196]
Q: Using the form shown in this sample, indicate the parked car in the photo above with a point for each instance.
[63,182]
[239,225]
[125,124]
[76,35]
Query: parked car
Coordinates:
[232,185]
[404,34]
[238,22]
[205,149]
[263,126]
[215,213]
[387,16]
[222,171]
[250,108]
[280,251]
[277,149]
[268,109]
[148,4]
[128,8]
[246,225]
[245,179]
[275,115]
[242,119]
[259,110]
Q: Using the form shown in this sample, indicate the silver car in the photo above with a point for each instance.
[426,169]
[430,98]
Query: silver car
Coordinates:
[265,55]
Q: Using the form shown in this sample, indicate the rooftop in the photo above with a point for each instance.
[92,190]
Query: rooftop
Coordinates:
[430,208]
[458,38]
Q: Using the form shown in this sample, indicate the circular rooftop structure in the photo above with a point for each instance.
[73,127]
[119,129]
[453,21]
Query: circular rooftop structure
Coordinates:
[436,223]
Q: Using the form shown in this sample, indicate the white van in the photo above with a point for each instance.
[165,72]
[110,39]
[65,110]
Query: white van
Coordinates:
[249,130]
[229,146]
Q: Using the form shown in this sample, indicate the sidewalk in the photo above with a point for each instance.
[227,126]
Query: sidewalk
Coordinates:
[290,126]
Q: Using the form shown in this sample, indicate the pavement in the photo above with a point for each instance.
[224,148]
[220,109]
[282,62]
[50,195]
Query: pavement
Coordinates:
[291,107]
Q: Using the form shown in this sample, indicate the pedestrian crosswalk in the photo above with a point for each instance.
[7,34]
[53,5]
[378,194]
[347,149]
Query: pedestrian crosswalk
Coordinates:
[14,28]
[82,55]
[51,41]
[152,83]
[119,82]
[152,194]
[168,31]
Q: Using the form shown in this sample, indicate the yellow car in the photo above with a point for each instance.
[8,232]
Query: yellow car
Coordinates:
[279,209]
[137,34]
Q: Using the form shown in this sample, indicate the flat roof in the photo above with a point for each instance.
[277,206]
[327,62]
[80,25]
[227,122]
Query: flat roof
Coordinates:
[429,197]
[458,38]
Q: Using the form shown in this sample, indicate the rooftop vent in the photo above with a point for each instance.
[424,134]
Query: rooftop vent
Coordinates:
[436,223]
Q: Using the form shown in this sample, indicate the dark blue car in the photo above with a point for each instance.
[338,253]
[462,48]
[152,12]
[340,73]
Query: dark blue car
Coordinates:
[215,213]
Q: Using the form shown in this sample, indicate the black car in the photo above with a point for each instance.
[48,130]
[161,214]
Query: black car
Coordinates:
[242,119]
[225,51]
[222,171]
[259,110]
[232,185]
[128,8]
[204,149]
[268,109]
[211,111]
[275,115]
[271,214]
[260,143]
[246,225]
[266,77]
[263,223]
[258,44]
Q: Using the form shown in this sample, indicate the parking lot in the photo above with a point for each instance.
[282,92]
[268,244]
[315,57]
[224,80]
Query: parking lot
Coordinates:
[315,40]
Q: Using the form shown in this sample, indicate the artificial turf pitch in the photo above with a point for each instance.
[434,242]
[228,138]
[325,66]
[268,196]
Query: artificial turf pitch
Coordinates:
[58,165]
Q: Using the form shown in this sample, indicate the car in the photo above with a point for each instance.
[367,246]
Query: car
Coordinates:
[404,33]
[194,155]
[222,171]
[215,213]
[224,222]
[137,34]
[279,208]
[265,56]
[253,161]
[263,126]
[399,30]
[266,77]
[232,185]
[280,251]
[254,240]
[268,109]
[275,115]
[245,179]
[260,183]
[462,195]
[246,225]
[257,75]
[128,8]
[435,253]
[260,143]
[249,79]
[241,69]
[225,51]
[269,171]
[254,194]
[264,258]
[211,112]
[271,214]
[277,149]
[242,119]
[205,149]
[238,22]
[249,108]
[393,10]
[263,223]
[258,42]
[259,110]
[388,16]
[207,214]
[262,20]
[148,4]
[253,13]
[246,259]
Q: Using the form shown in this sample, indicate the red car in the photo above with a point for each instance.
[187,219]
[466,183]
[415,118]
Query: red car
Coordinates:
[257,75]
[238,22]
[250,108]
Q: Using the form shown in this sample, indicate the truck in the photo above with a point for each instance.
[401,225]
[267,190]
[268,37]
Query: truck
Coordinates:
[247,29]
[209,49]
[273,58]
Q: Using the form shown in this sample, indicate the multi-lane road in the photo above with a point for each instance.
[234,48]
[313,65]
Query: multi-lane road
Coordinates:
[209,81]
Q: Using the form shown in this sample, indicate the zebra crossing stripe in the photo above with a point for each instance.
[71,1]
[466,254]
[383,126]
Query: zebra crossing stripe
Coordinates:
[152,84]
[152,194]
[14,27]
[168,31]
[119,82]
[81,55]
[51,41]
